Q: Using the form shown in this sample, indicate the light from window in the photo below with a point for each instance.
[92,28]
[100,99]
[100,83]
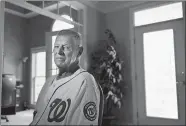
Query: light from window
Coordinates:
[40,64]
[53,63]
[59,25]
[160,74]
[158,14]
[39,82]
[38,72]
[54,67]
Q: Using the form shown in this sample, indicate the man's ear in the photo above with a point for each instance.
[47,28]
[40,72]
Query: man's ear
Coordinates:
[80,51]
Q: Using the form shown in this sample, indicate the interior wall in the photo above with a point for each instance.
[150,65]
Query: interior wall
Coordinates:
[95,27]
[14,46]
[118,23]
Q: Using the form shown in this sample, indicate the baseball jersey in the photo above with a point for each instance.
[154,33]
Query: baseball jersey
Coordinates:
[73,100]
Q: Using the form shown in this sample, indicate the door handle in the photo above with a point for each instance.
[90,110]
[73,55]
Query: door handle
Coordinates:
[181,83]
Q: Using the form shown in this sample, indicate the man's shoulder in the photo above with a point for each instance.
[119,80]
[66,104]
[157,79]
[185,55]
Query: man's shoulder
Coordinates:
[85,75]
[50,79]
[88,79]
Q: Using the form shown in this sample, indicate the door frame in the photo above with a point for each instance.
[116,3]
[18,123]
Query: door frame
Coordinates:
[143,6]
[2,17]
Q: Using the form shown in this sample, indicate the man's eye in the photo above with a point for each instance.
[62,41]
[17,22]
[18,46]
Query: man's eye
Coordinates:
[56,46]
[67,47]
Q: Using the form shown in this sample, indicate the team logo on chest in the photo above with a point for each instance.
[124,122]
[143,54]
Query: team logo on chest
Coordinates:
[58,110]
[90,111]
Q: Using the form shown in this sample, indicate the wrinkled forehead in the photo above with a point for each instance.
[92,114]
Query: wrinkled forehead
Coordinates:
[66,39]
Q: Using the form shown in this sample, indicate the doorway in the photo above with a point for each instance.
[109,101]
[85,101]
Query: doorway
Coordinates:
[160,69]
[160,73]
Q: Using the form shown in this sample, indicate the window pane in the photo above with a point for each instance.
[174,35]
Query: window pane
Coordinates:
[39,82]
[160,75]
[40,64]
[53,41]
[54,71]
[59,25]
[158,14]
[33,64]
[53,63]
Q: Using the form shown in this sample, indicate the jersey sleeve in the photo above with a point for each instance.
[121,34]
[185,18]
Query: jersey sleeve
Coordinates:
[86,107]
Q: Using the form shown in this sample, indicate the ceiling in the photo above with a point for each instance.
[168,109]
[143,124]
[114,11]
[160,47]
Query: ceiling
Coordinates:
[102,6]
[110,6]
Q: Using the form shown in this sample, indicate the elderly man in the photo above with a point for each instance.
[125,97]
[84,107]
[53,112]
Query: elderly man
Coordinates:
[72,97]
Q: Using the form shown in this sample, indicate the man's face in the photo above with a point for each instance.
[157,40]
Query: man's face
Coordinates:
[65,51]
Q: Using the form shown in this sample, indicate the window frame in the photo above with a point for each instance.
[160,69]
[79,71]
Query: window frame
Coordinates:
[152,5]
[63,15]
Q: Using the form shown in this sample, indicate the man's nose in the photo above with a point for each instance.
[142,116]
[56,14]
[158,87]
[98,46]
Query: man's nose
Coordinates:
[61,51]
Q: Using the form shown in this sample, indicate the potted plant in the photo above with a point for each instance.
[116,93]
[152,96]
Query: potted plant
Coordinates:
[106,67]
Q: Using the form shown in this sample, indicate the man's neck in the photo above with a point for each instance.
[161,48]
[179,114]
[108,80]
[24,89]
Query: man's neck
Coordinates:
[63,75]
[67,72]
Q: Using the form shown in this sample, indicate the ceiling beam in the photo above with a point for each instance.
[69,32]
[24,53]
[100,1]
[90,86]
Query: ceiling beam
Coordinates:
[49,8]
[41,11]
[74,4]
[15,13]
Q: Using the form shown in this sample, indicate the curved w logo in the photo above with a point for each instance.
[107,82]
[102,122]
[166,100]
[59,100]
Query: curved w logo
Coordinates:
[58,110]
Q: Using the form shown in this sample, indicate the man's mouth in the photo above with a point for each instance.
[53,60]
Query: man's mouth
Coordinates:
[60,58]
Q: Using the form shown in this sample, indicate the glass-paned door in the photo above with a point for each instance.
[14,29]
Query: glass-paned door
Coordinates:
[160,70]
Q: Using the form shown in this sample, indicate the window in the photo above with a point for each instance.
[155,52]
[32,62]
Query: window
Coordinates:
[54,67]
[160,74]
[158,14]
[38,71]
[57,26]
